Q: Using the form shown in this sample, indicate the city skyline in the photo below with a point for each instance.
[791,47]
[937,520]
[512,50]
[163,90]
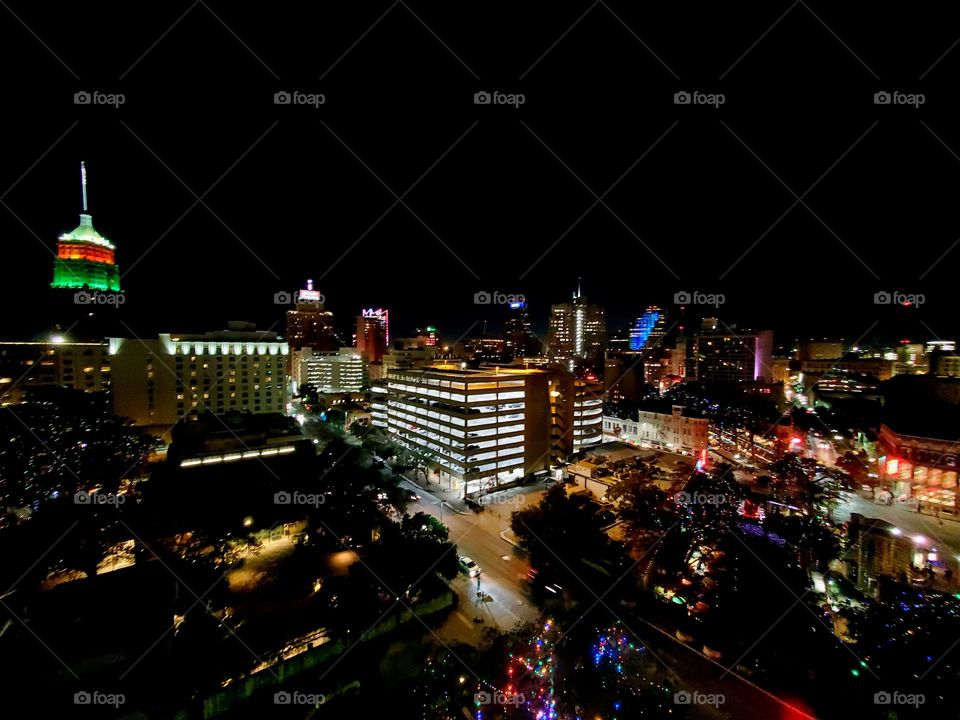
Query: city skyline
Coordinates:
[525,361]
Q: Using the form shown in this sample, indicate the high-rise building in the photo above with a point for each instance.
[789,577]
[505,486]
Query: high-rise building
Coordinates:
[578,332]
[648,329]
[55,362]
[518,333]
[489,349]
[156,382]
[733,356]
[427,336]
[309,324]
[373,333]
[85,258]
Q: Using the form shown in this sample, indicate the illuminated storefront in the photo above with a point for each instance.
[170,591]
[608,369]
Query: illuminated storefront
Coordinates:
[924,469]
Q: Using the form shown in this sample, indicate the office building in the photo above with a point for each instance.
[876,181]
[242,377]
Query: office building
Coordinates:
[309,324]
[578,333]
[733,356]
[518,333]
[373,333]
[649,329]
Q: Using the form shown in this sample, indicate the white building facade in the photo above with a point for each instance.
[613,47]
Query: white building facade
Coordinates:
[672,431]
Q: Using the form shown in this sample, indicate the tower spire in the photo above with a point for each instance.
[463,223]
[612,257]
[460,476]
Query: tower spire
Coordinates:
[83,184]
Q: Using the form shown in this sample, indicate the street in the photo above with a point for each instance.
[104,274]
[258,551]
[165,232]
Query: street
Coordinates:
[504,601]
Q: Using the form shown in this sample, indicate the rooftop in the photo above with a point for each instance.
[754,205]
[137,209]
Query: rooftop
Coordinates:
[86,233]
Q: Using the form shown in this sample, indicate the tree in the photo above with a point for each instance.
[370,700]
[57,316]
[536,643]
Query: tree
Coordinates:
[567,546]
[640,506]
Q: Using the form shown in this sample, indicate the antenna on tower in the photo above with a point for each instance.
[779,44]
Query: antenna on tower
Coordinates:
[83,184]
[578,286]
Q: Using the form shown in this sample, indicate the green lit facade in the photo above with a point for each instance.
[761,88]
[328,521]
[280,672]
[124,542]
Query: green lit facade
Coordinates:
[85,259]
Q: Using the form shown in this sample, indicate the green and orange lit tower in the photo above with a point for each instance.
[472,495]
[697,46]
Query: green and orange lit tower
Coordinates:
[85,258]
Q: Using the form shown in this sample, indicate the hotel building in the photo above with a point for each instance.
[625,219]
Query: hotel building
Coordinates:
[157,382]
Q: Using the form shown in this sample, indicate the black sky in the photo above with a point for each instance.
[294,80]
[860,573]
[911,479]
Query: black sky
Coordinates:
[294,189]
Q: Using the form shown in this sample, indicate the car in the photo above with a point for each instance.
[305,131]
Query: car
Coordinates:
[412,497]
[468,566]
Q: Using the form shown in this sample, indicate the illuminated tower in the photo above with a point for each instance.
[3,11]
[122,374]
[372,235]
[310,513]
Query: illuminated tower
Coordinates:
[373,333]
[85,258]
[578,334]
[648,329]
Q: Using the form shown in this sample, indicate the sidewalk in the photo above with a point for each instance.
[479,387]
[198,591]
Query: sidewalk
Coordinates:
[452,498]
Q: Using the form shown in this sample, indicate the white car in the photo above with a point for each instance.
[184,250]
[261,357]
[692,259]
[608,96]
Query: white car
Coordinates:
[469,566]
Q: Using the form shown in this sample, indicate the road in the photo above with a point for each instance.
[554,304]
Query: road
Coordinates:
[504,601]
[944,535]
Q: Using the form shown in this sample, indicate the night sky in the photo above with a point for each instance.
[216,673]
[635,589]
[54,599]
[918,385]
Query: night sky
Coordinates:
[503,198]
